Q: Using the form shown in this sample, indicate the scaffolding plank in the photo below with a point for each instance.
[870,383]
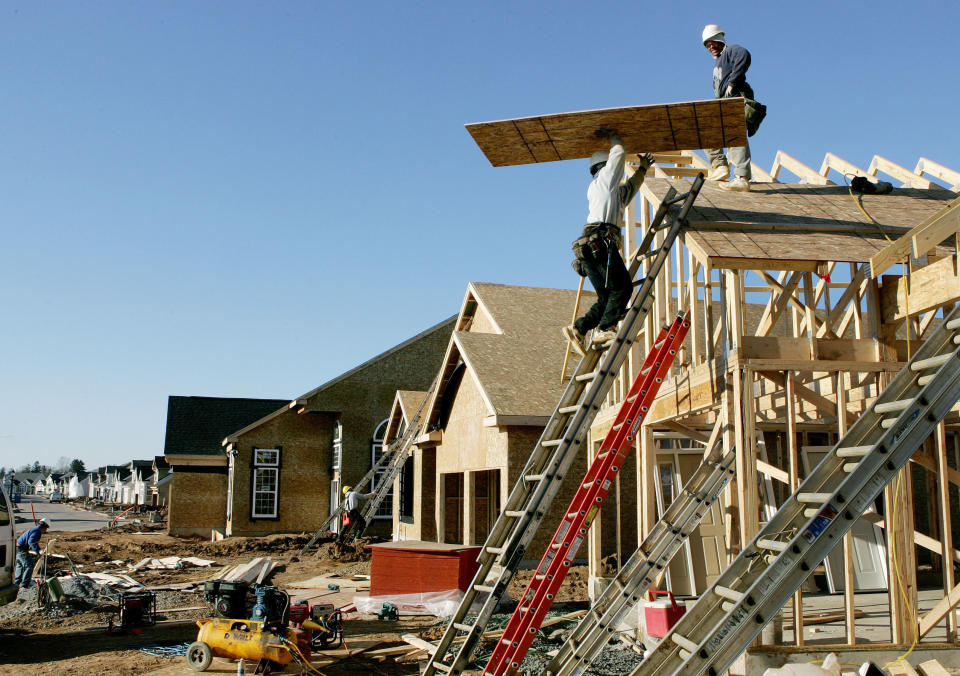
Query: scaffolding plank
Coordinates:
[714,123]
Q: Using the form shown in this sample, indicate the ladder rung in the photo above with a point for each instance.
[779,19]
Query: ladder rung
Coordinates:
[555,545]
[853,451]
[494,550]
[773,545]
[532,478]
[932,362]
[587,376]
[727,606]
[617,427]
[923,380]
[572,515]
[463,627]
[887,423]
[683,642]
[956,340]
[514,514]
[552,442]
[441,667]
[632,398]
[568,409]
[727,593]
[482,588]
[813,497]
[892,406]
[850,466]
[953,324]
[807,513]
[539,576]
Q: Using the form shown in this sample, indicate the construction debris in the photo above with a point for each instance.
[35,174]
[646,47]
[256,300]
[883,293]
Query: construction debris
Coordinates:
[170,563]
[254,572]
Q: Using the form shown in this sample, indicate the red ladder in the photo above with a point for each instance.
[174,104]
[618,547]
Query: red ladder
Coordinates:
[537,599]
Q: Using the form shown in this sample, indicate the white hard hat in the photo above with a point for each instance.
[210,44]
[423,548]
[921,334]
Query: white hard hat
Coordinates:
[44,521]
[598,157]
[713,33]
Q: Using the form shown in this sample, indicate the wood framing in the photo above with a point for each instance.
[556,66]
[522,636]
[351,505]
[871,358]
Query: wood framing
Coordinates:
[792,338]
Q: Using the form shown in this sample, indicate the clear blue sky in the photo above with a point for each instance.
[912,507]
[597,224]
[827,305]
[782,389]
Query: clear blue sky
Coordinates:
[249,198]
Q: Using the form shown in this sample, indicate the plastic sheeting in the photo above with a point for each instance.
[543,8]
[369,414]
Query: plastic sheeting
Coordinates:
[439,603]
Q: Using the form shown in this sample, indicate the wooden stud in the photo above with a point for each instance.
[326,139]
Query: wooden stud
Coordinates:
[946,524]
[793,462]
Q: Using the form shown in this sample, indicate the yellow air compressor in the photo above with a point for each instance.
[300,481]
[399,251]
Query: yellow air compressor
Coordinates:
[241,639]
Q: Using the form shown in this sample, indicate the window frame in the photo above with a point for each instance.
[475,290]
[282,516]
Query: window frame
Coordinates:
[267,467]
[385,508]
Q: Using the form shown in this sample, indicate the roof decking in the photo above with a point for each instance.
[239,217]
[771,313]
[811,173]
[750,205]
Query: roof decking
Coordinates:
[795,226]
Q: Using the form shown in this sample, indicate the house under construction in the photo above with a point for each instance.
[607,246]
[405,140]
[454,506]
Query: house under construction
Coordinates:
[804,302]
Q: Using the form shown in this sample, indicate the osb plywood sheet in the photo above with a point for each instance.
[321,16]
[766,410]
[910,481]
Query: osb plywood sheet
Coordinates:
[784,206]
[714,123]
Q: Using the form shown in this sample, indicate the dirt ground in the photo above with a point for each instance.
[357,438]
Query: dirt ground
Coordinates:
[74,639]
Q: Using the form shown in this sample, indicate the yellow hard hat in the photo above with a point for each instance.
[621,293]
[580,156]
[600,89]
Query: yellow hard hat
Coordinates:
[347,489]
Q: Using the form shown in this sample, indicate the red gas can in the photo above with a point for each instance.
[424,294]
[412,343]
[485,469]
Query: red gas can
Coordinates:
[662,615]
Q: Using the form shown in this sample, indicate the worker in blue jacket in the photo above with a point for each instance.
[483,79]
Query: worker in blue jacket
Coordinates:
[28,549]
[729,80]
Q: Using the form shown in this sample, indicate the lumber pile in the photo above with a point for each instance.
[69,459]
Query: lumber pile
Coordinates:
[252,572]
[170,563]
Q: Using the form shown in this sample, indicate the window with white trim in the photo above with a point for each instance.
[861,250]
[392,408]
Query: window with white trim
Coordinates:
[385,509]
[336,456]
[266,481]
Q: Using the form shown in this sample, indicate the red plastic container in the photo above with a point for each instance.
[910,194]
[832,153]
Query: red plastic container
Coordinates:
[662,615]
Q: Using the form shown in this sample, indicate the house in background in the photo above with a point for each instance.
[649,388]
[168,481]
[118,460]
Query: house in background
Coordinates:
[52,483]
[160,482]
[500,383]
[28,481]
[287,469]
[141,473]
[196,427]
[77,484]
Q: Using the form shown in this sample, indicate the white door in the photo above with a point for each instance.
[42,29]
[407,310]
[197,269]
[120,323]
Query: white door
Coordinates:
[869,547]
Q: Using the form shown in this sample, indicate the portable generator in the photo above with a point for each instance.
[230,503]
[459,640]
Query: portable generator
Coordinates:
[137,609]
[327,625]
[229,598]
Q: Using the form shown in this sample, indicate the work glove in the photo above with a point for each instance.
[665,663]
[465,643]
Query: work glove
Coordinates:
[646,160]
[729,93]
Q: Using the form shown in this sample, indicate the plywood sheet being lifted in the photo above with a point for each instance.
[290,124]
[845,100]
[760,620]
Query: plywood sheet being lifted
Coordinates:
[715,123]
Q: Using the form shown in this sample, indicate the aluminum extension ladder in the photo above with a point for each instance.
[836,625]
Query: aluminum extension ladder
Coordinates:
[565,431]
[587,502]
[645,565]
[390,463]
[814,519]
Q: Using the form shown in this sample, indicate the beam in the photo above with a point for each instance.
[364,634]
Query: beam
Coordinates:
[929,288]
[920,239]
[806,394]
[909,179]
[925,166]
[795,166]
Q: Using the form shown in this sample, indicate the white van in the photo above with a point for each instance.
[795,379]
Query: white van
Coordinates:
[8,550]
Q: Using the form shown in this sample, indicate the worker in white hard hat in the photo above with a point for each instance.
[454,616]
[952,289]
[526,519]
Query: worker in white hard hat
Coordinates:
[597,251]
[729,80]
[351,505]
[28,549]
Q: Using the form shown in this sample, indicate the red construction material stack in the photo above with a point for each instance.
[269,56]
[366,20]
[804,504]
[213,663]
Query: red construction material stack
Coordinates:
[414,567]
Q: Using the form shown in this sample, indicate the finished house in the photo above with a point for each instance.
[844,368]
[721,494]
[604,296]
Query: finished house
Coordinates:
[287,469]
[196,427]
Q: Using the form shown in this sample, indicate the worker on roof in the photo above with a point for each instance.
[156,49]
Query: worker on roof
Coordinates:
[351,505]
[730,80]
[28,549]
[597,251]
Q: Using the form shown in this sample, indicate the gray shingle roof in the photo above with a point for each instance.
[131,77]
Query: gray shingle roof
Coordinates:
[198,425]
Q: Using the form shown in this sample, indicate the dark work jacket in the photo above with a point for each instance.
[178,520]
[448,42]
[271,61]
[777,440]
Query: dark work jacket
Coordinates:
[731,69]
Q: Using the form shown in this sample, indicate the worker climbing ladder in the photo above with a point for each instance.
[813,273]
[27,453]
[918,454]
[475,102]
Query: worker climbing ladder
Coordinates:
[814,519]
[645,565]
[540,479]
[388,465]
[587,502]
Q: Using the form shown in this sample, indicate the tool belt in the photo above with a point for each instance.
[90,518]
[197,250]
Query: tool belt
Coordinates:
[23,548]
[595,237]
